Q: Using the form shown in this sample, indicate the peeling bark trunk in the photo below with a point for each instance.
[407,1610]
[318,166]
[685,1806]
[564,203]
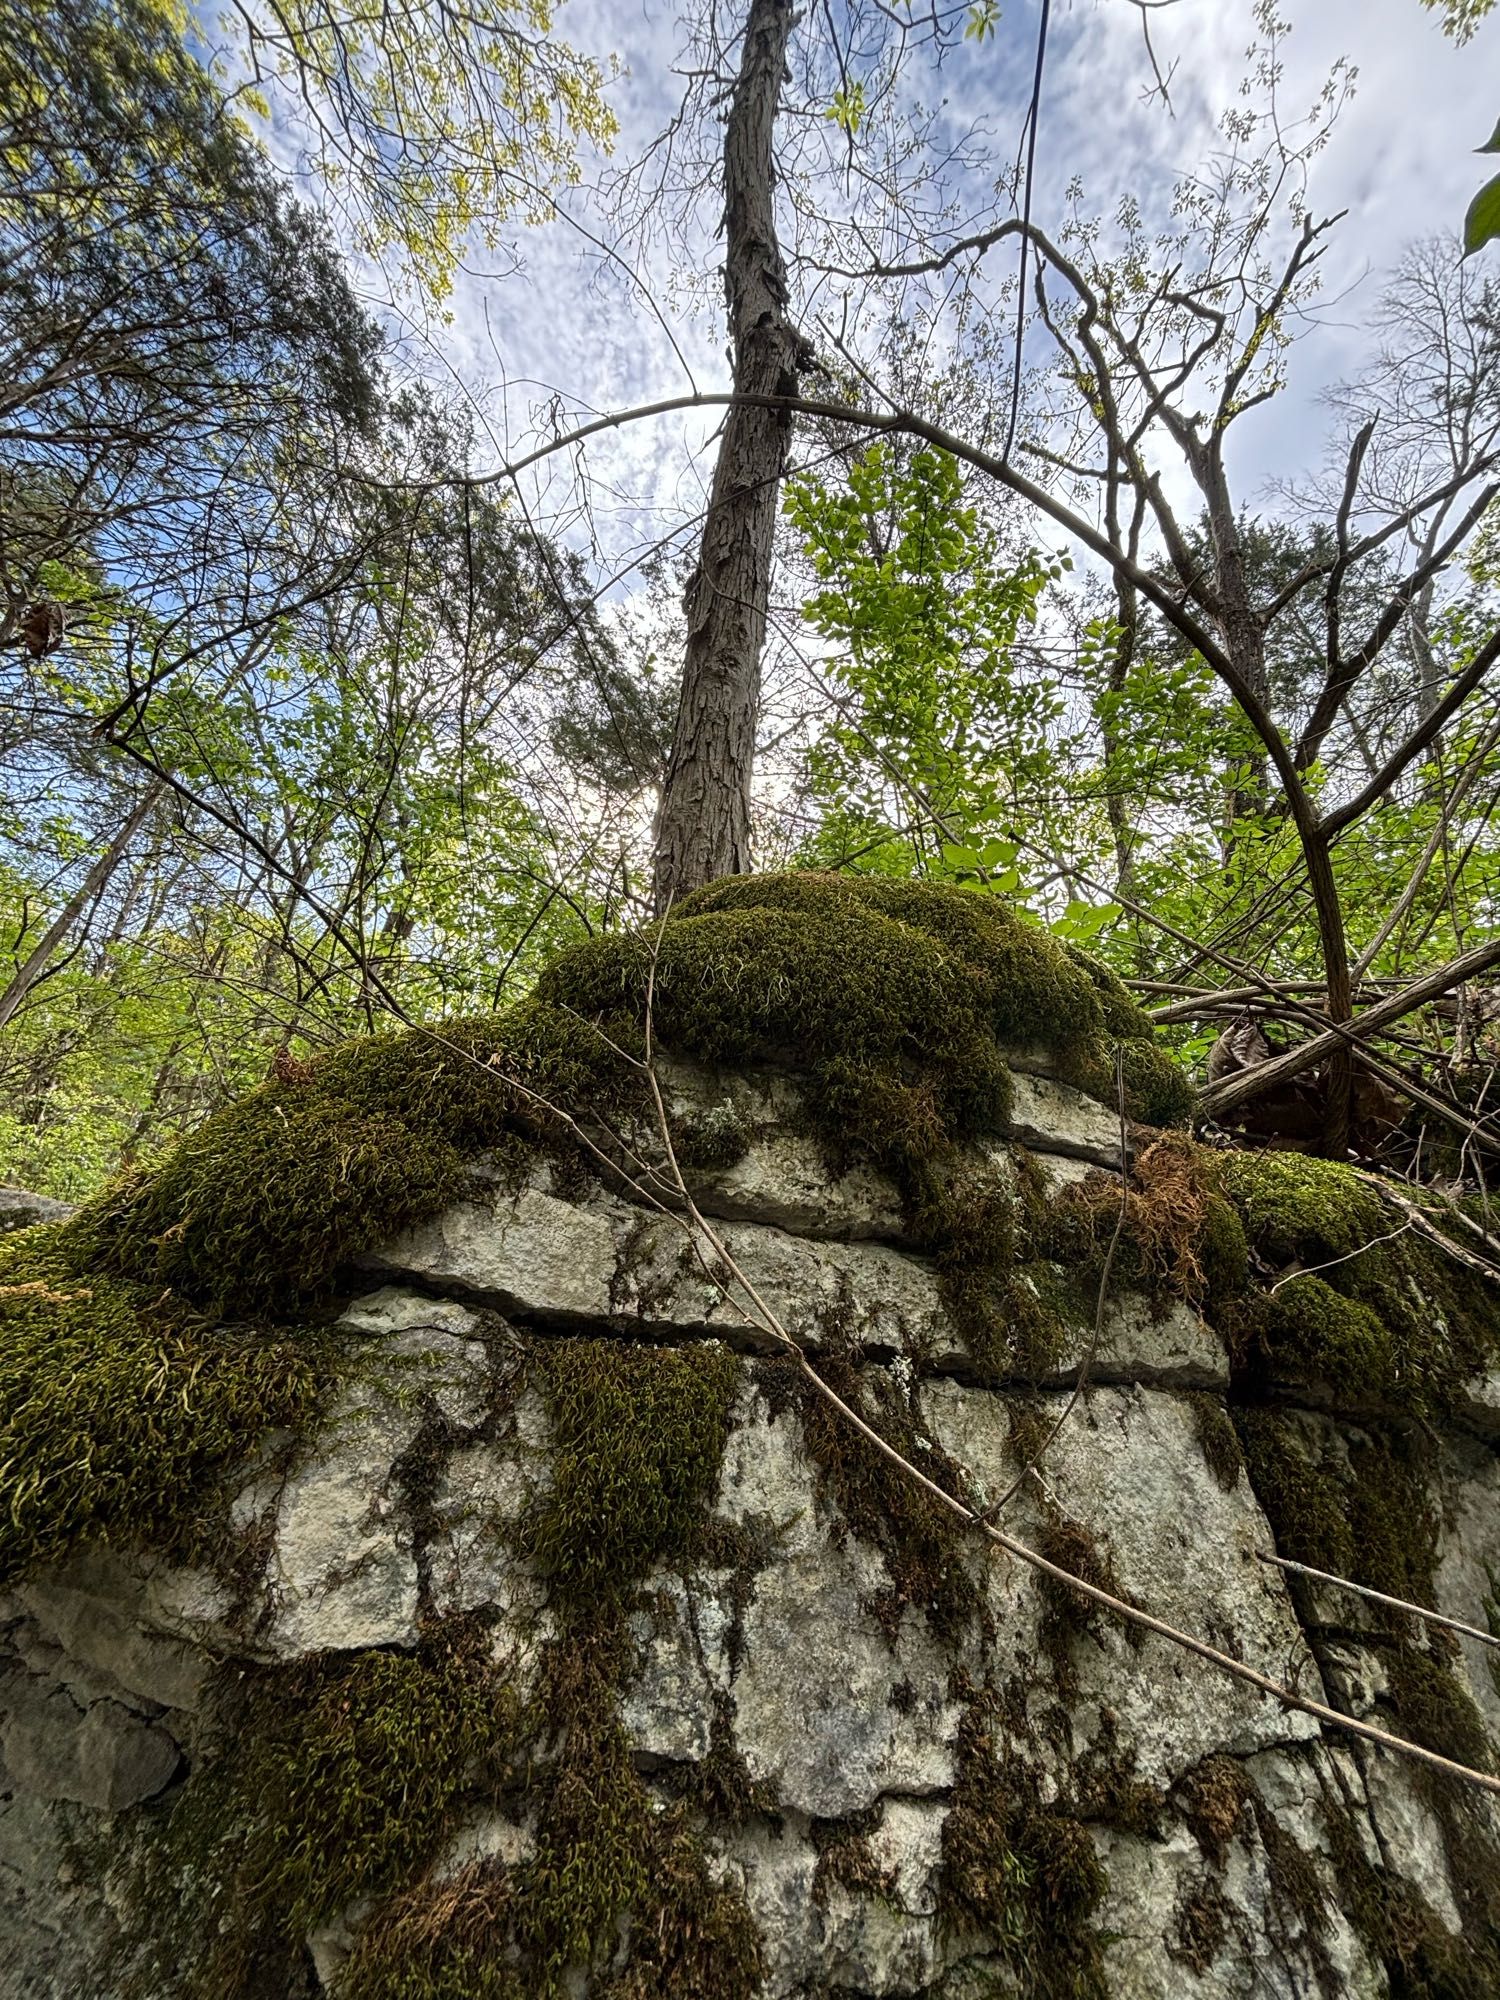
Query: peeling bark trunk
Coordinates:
[703,826]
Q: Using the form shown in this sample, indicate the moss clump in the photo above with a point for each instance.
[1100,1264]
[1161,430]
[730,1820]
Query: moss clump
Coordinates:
[1435,1711]
[713,1140]
[1356,1506]
[1157,1092]
[1380,1316]
[442,1938]
[1363,1512]
[638,1436]
[846,1858]
[1179,1237]
[1423,1960]
[1024,1873]
[922,1544]
[1067,1615]
[1200,1926]
[972,1223]
[1308,1332]
[258,1208]
[343,1777]
[1212,1798]
[1217,1437]
[605,1862]
[118,1406]
[1298,1208]
[895,1001]
[1013,983]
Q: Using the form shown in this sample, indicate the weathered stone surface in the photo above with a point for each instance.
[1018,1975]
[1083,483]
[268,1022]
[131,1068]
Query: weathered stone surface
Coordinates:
[785,1649]
[1155,1347]
[1180,1921]
[83,1614]
[858,1944]
[341,1569]
[1468,1572]
[1053,1117]
[876,1296]
[1128,1464]
[781,1179]
[528,1251]
[99,1754]
[20,1210]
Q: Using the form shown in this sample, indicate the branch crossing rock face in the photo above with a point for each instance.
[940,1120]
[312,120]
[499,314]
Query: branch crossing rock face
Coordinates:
[549,1638]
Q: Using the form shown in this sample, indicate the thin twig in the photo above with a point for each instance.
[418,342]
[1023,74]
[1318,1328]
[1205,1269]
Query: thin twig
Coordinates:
[1380,1597]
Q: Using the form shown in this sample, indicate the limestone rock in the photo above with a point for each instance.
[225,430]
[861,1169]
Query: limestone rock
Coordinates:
[102,1754]
[1054,1117]
[780,1643]
[528,1252]
[20,1210]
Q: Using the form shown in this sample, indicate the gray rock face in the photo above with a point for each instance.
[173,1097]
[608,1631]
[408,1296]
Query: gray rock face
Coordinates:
[99,1753]
[20,1210]
[793,1648]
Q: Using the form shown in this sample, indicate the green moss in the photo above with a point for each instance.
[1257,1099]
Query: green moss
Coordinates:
[1361,1512]
[258,1208]
[1422,1959]
[972,1223]
[605,1861]
[1012,980]
[119,1406]
[1156,1090]
[1298,1208]
[1025,1874]
[1435,1711]
[923,1545]
[339,1778]
[1217,1437]
[638,1435]
[1311,1333]
[716,1138]
[1382,1316]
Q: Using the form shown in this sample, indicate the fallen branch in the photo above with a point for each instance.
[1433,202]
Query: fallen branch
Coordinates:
[1380,1597]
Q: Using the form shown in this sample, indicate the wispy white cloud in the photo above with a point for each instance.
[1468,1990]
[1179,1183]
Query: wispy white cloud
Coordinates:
[564,325]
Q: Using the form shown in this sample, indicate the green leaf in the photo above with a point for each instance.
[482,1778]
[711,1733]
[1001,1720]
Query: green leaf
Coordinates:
[1081,921]
[1482,223]
[998,853]
[961,857]
[1492,144]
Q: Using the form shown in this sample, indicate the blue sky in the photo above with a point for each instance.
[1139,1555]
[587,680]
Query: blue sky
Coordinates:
[553,326]
[1401,162]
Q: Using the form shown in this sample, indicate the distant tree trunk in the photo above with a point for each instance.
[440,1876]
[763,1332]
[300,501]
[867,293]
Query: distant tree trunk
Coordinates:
[703,826]
[89,889]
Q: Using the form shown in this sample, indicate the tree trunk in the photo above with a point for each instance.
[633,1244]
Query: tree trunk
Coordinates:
[91,887]
[703,826]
